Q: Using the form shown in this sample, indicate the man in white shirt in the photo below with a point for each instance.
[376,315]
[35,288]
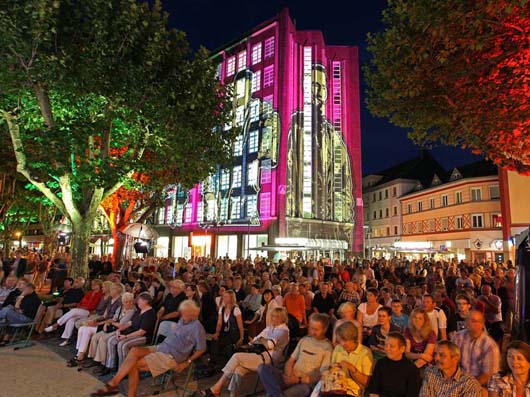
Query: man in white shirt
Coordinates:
[437,317]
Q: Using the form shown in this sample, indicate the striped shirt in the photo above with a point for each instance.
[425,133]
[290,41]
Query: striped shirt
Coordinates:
[459,385]
[504,386]
[478,355]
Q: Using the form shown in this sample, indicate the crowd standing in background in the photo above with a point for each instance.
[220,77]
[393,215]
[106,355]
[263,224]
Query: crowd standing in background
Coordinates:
[305,327]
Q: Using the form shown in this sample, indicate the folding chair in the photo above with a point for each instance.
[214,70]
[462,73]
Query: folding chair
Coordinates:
[19,328]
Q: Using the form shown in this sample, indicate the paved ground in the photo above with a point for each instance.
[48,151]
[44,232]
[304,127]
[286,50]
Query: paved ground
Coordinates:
[41,371]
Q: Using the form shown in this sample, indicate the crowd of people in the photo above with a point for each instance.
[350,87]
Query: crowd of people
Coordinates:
[377,327]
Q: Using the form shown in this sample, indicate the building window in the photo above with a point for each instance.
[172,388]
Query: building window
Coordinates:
[235,211]
[395,210]
[225,179]
[268,76]
[252,205]
[459,222]
[387,212]
[458,198]
[252,173]
[238,146]
[477,221]
[380,214]
[496,220]
[223,213]
[200,211]
[494,192]
[395,230]
[241,61]
[266,171]
[236,176]
[409,208]
[386,193]
[187,213]
[445,200]
[256,53]
[388,231]
[240,115]
[420,206]
[380,196]
[265,204]
[431,203]
[267,106]
[419,227]
[230,66]
[254,111]
[180,214]
[253,141]
[240,88]
[373,199]
[256,81]
[375,214]
[269,47]
[162,216]
[210,210]
[432,225]
[476,194]
[445,224]
[394,192]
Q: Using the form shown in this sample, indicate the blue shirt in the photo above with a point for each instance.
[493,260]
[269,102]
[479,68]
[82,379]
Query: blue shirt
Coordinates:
[402,322]
[185,339]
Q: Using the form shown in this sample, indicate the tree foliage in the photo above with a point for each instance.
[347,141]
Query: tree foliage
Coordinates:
[456,72]
[95,91]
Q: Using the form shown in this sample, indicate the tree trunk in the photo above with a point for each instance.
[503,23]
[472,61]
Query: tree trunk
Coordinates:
[80,242]
[117,250]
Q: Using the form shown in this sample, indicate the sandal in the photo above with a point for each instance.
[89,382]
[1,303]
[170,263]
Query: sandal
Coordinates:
[108,390]
[74,362]
[208,393]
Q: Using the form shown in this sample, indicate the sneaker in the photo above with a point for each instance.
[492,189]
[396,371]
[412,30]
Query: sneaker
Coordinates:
[50,328]
[65,342]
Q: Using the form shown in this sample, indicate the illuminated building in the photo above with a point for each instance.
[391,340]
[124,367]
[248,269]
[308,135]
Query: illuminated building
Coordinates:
[296,171]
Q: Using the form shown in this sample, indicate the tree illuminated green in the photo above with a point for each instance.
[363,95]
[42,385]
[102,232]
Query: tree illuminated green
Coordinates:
[95,91]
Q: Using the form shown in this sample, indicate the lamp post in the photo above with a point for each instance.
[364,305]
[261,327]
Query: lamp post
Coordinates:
[18,235]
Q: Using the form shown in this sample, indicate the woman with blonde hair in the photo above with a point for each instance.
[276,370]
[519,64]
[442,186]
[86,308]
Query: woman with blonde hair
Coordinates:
[273,340]
[229,330]
[420,338]
[347,313]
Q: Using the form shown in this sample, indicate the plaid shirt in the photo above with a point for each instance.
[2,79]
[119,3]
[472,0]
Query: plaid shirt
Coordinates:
[459,385]
[478,356]
[505,386]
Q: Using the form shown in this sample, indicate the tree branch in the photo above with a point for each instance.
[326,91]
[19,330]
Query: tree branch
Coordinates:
[44,104]
[22,166]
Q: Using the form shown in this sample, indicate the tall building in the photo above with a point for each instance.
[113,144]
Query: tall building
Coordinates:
[382,192]
[295,178]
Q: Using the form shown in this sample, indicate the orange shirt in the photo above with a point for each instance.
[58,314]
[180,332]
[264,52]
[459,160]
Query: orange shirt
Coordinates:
[295,305]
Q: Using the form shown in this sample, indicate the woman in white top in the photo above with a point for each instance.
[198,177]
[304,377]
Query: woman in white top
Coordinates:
[367,311]
[274,338]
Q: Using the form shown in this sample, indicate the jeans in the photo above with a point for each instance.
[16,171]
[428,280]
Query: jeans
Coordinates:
[11,316]
[272,379]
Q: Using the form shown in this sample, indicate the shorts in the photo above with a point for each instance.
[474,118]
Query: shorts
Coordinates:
[159,363]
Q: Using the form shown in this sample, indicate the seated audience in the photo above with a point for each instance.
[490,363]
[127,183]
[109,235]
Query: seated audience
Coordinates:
[514,378]
[347,313]
[274,338]
[24,310]
[87,305]
[479,353]
[394,375]
[420,338]
[10,285]
[367,312]
[377,338]
[399,319]
[139,331]
[457,322]
[447,378]
[179,350]
[302,370]
[437,317]
[323,301]
[294,302]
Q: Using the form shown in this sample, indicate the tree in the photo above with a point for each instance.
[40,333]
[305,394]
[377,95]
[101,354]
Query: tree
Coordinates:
[93,92]
[456,72]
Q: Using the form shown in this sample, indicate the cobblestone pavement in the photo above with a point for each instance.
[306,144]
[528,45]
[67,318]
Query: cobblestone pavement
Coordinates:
[38,371]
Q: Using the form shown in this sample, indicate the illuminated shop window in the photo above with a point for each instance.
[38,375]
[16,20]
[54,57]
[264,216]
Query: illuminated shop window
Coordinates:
[223,211]
[236,176]
[269,47]
[256,54]
[253,141]
[268,76]
[241,61]
[256,81]
[230,66]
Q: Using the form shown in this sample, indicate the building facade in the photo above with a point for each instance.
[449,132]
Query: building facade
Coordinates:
[456,217]
[296,170]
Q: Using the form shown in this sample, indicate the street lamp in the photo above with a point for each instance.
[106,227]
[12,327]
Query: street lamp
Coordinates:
[18,235]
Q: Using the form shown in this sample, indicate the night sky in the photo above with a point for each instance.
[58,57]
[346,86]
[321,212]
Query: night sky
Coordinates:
[212,23]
